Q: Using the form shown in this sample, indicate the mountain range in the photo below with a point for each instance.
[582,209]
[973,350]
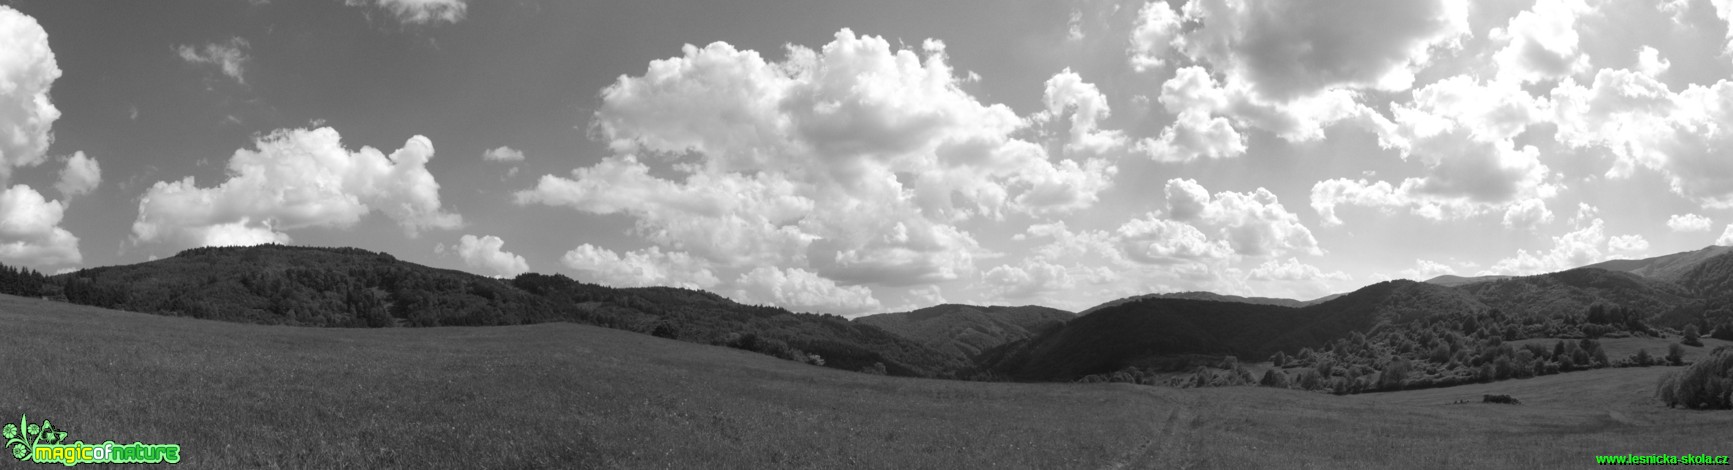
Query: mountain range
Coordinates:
[347,287]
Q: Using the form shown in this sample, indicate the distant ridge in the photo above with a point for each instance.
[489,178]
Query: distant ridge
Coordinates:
[1211,296]
[1449,280]
[1670,268]
[966,330]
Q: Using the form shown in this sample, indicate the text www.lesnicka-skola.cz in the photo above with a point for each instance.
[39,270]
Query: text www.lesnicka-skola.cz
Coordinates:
[1661,459]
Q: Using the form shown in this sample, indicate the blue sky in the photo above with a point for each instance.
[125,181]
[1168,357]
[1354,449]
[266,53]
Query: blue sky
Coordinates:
[859,157]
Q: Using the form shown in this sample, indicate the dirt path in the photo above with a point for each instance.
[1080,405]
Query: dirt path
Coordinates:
[1169,447]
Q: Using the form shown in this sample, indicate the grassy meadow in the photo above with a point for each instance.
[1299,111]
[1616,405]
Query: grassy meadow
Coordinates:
[573,396]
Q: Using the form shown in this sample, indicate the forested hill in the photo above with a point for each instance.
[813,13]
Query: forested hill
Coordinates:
[349,287]
[967,330]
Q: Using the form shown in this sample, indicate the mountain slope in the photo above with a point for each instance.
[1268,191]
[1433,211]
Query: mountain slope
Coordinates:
[348,287]
[1449,280]
[966,330]
[1670,268]
[1200,295]
[1161,332]
[1574,291]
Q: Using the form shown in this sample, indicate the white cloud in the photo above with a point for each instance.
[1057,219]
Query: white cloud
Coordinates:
[1650,63]
[641,268]
[230,57]
[1645,125]
[1688,223]
[1293,270]
[81,175]
[1587,245]
[1286,50]
[485,254]
[503,154]
[1161,241]
[420,12]
[1726,236]
[1068,92]
[1542,42]
[296,179]
[1526,214]
[27,71]
[1152,37]
[803,291]
[855,161]
[30,232]
[1033,277]
[1253,223]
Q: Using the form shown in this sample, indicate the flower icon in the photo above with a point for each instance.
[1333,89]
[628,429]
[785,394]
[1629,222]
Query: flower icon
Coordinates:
[33,430]
[11,431]
[19,452]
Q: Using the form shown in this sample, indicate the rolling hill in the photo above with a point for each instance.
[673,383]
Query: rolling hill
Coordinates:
[1574,291]
[1200,295]
[1669,268]
[966,330]
[1161,333]
[1451,280]
[347,287]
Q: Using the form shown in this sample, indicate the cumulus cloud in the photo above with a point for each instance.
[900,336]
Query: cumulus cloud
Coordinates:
[1285,50]
[503,154]
[81,175]
[420,12]
[1527,214]
[30,232]
[1152,36]
[1586,245]
[1726,238]
[1645,125]
[296,179]
[854,161]
[1068,92]
[1541,43]
[640,268]
[27,71]
[1688,223]
[485,255]
[1462,130]
[229,57]
[1161,241]
[803,291]
[1253,223]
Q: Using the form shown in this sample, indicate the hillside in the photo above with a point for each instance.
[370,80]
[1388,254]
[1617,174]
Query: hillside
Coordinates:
[572,396]
[1573,292]
[1167,334]
[1669,268]
[347,287]
[1451,280]
[966,330]
[1200,295]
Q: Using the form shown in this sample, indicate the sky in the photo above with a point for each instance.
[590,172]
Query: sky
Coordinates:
[862,157]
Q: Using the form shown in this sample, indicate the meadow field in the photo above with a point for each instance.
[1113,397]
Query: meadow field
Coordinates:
[571,396]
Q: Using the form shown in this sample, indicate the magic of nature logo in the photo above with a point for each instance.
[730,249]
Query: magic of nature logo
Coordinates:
[43,443]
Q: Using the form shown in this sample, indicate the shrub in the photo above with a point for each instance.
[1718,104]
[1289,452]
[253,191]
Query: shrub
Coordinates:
[1690,336]
[1274,378]
[1707,384]
[1642,358]
[1309,379]
[878,368]
[1675,354]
